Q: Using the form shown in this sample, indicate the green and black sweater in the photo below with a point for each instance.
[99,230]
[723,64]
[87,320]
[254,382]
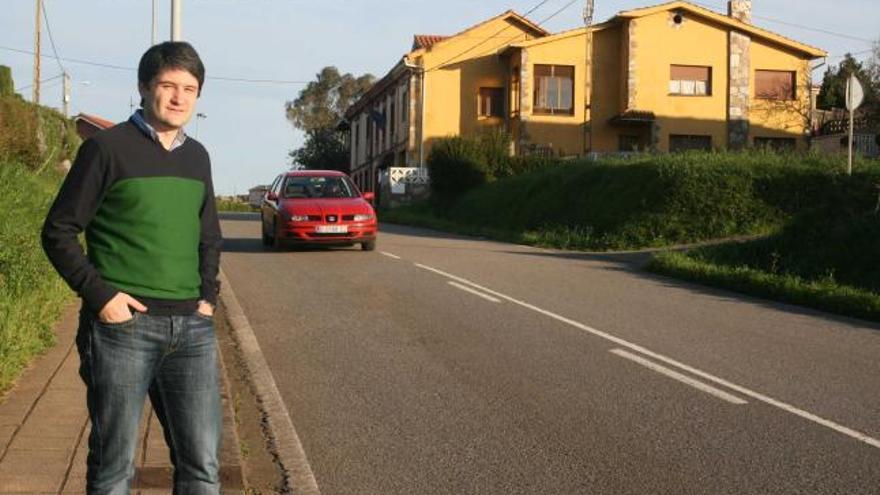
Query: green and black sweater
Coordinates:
[150,222]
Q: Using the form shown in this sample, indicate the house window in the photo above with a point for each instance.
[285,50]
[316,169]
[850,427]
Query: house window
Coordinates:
[370,145]
[392,133]
[628,143]
[775,84]
[491,102]
[690,80]
[776,143]
[404,107]
[354,143]
[683,142]
[554,89]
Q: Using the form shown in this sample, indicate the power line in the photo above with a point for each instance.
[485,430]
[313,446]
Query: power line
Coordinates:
[132,69]
[258,81]
[855,54]
[17,90]
[51,38]
[800,26]
[818,30]
[563,9]
[505,28]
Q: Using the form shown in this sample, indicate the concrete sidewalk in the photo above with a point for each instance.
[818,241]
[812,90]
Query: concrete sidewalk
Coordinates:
[44,429]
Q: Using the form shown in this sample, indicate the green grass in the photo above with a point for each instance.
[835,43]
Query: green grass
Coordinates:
[824,293]
[235,206]
[32,295]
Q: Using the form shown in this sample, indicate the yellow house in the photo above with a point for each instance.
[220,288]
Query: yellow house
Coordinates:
[668,77]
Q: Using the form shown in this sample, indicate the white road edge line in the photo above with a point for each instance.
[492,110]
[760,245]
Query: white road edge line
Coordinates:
[391,255]
[678,376]
[288,449]
[474,292]
[635,347]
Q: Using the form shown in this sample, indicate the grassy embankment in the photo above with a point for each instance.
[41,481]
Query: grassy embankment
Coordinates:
[31,293]
[819,230]
[234,206]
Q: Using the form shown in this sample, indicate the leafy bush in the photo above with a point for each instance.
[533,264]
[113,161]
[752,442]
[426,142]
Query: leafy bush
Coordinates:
[836,236]
[31,293]
[234,206]
[656,200]
[494,147]
[455,165]
[7,87]
[33,135]
[466,162]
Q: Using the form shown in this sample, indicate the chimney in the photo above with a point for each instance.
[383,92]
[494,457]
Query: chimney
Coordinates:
[740,10]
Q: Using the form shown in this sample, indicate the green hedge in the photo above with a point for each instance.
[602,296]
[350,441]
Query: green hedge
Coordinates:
[7,86]
[31,293]
[654,200]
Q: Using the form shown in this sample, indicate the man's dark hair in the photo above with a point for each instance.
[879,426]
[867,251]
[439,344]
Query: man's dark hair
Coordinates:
[171,55]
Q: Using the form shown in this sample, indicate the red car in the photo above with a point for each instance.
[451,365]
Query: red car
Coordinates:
[318,207]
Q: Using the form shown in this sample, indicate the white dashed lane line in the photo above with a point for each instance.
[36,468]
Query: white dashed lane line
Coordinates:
[678,376]
[474,292]
[667,360]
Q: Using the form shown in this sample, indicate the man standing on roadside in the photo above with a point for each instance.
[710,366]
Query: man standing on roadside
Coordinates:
[143,194]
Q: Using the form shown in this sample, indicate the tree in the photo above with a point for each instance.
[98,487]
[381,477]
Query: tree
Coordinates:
[874,74]
[318,110]
[322,150]
[833,92]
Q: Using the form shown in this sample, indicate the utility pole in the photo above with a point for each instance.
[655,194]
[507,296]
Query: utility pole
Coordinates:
[155,38]
[37,27]
[588,76]
[65,99]
[175,20]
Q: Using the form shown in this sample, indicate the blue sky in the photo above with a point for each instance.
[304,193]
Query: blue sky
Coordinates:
[245,130]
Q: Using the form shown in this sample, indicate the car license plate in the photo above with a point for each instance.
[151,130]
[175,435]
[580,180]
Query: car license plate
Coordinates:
[331,229]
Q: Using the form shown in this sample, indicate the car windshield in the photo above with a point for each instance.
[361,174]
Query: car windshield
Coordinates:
[318,187]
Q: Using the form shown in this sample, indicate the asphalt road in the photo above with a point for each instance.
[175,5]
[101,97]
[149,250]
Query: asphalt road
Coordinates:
[440,364]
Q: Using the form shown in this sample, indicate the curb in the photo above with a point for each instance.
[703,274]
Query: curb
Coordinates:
[284,442]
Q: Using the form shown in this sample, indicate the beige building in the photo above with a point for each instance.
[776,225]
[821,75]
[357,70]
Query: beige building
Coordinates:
[668,77]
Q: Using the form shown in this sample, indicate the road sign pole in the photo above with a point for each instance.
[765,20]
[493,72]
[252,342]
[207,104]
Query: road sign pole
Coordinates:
[850,158]
[855,95]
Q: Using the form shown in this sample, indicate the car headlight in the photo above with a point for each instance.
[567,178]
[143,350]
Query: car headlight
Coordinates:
[362,218]
[299,218]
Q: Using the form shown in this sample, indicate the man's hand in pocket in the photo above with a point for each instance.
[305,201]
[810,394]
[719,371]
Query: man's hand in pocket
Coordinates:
[118,309]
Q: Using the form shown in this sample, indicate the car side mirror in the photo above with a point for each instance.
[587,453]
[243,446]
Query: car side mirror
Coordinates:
[369,196]
[271,196]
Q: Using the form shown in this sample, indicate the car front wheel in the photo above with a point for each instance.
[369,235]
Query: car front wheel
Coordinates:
[368,245]
[277,242]
[267,239]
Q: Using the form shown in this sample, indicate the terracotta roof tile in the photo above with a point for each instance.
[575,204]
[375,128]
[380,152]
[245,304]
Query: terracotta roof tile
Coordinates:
[96,121]
[426,40]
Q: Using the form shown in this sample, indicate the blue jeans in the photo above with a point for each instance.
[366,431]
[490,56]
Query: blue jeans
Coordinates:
[173,359]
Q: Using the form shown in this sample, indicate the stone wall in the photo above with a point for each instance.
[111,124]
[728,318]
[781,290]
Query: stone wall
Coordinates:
[739,91]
